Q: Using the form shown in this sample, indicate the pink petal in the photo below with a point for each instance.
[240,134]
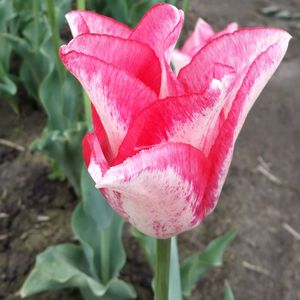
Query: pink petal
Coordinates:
[179,60]
[93,156]
[189,119]
[199,37]
[237,50]
[203,34]
[220,155]
[159,189]
[116,95]
[101,135]
[90,22]
[160,28]
[131,56]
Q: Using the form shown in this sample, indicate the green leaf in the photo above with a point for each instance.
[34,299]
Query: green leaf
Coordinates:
[228,294]
[65,266]
[118,10]
[147,244]
[102,245]
[195,266]
[63,148]
[93,201]
[62,266]
[175,292]
[117,290]
[19,45]
[61,101]
[6,84]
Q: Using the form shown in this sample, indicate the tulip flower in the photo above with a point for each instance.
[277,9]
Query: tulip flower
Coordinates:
[162,144]
[202,34]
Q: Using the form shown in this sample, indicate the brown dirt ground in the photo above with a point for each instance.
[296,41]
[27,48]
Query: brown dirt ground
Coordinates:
[258,203]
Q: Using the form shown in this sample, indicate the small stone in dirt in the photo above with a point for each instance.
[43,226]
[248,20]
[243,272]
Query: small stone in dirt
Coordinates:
[3,215]
[4,236]
[42,218]
[24,235]
[269,10]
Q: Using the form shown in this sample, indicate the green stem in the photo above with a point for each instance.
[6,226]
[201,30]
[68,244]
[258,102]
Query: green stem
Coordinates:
[162,269]
[55,38]
[36,24]
[105,253]
[81,5]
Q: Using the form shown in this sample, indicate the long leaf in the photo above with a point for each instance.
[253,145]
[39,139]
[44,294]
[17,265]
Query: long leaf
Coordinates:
[102,245]
[195,266]
[228,294]
[59,267]
[93,201]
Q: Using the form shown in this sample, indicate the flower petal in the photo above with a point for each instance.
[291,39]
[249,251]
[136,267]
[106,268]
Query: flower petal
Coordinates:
[134,57]
[199,37]
[116,95]
[189,119]
[160,28]
[179,60]
[202,34]
[159,189]
[93,156]
[101,134]
[90,22]
[237,50]
[221,152]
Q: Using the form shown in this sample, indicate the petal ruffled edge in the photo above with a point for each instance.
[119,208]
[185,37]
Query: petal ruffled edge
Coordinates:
[81,21]
[221,152]
[107,48]
[159,189]
[116,95]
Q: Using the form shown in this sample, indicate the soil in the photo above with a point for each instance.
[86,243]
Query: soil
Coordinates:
[260,197]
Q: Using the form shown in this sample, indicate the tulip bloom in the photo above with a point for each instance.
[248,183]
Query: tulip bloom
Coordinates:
[162,144]
[202,34]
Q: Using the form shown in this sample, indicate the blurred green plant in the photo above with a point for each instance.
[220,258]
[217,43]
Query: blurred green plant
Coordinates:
[185,276]
[125,11]
[228,293]
[94,265]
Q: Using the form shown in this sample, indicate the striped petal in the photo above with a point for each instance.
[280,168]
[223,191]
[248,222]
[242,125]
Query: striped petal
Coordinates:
[160,29]
[159,189]
[202,34]
[90,22]
[93,156]
[135,58]
[220,155]
[188,119]
[116,95]
[237,50]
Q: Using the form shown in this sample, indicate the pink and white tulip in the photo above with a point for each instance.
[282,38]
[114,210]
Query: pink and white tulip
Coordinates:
[162,144]
[202,34]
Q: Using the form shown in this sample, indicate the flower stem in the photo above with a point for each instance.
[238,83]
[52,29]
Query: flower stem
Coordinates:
[162,269]
[105,252]
[55,38]
[36,24]
[81,5]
